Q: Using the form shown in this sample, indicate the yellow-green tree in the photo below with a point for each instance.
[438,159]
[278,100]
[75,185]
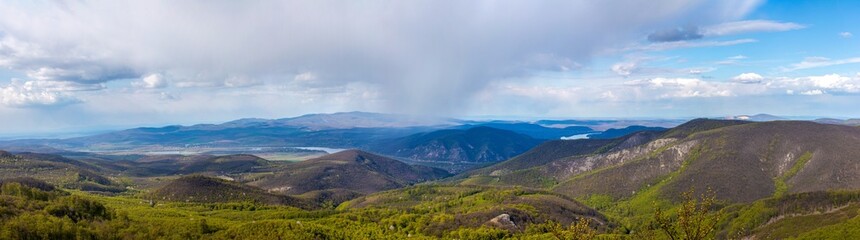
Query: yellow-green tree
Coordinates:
[694,220]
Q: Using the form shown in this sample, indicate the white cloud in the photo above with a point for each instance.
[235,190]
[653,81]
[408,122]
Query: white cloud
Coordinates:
[384,43]
[617,95]
[681,87]
[154,80]
[748,26]
[241,81]
[817,62]
[812,92]
[34,94]
[652,66]
[835,81]
[748,78]
[625,68]
[810,85]
[565,94]
[305,77]
[846,35]
[700,71]
[208,81]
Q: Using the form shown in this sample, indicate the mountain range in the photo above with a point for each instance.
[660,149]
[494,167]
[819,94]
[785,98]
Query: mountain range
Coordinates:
[407,137]
[765,177]
[477,145]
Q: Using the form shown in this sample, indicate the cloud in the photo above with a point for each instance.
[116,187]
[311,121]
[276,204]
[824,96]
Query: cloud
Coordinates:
[749,26]
[680,88]
[154,80]
[690,32]
[57,61]
[625,68]
[35,94]
[305,77]
[748,78]
[846,35]
[822,84]
[731,60]
[168,97]
[204,80]
[617,95]
[812,92]
[241,81]
[663,46]
[817,62]
[423,56]
[642,65]
[676,34]
[836,82]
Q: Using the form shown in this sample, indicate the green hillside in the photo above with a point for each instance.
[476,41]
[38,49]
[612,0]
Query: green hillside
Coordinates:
[728,179]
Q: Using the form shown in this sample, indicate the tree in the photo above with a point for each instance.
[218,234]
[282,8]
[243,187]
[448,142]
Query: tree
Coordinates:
[694,220]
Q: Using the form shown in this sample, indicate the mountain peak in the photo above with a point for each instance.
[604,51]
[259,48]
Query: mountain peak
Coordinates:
[700,124]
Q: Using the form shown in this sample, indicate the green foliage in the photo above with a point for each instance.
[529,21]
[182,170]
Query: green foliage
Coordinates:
[839,220]
[598,201]
[18,190]
[780,182]
[750,217]
[805,209]
[77,209]
[694,219]
[581,230]
[420,212]
[532,177]
[849,229]
[635,213]
[484,233]
[39,226]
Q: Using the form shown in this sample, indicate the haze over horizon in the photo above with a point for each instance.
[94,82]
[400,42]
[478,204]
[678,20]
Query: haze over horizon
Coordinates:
[95,64]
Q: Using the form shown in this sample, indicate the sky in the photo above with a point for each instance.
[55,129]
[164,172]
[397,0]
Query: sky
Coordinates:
[69,66]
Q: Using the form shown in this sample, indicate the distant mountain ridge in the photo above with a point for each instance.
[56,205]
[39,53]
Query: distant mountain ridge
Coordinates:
[849,122]
[361,130]
[534,130]
[343,120]
[475,145]
[620,132]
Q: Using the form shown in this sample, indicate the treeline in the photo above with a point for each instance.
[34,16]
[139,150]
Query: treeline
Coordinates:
[31,209]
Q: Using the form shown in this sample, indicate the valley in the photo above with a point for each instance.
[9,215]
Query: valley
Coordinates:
[764,179]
